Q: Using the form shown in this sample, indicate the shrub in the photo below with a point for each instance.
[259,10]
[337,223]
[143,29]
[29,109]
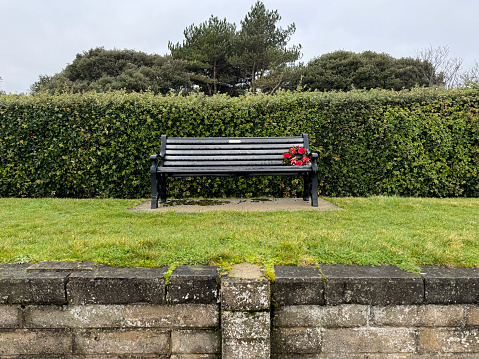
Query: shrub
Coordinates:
[422,142]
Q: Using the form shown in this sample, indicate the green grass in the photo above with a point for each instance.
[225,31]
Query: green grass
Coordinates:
[407,232]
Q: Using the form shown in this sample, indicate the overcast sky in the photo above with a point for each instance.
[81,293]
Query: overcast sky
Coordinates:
[43,36]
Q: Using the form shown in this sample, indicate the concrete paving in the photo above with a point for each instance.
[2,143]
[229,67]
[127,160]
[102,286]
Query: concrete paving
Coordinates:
[236,204]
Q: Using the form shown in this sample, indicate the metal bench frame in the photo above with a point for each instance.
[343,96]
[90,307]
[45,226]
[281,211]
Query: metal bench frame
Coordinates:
[229,156]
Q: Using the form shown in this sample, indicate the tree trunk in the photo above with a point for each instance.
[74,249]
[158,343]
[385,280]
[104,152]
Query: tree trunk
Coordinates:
[215,90]
[253,88]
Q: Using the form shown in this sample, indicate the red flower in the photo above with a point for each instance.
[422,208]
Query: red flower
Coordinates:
[297,156]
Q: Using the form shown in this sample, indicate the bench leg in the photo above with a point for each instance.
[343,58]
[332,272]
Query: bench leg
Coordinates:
[307,187]
[314,190]
[154,191]
[163,189]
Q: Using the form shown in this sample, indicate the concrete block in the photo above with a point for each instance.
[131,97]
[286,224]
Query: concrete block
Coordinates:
[298,356]
[245,349]
[395,316]
[186,316]
[442,315]
[75,316]
[13,266]
[10,316]
[374,356]
[195,356]
[195,342]
[112,285]
[194,284]
[64,266]
[369,340]
[112,356]
[338,356]
[20,287]
[449,340]
[121,341]
[383,285]
[297,286]
[296,340]
[472,315]
[346,315]
[35,342]
[115,316]
[53,266]
[245,325]
[419,316]
[451,285]
[245,294]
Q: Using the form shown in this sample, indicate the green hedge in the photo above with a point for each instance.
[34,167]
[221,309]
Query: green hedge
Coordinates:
[422,142]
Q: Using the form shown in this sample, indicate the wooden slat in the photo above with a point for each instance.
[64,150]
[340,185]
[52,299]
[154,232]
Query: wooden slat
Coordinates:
[228,152]
[231,146]
[223,140]
[203,157]
[253,170]
[215,163]
[245,168]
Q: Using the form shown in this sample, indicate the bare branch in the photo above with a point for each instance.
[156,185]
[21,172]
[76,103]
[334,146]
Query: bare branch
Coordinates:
[470,78]
[446,69]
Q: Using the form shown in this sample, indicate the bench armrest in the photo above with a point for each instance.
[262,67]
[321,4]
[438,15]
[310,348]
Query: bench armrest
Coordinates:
[314,161]
[154,163]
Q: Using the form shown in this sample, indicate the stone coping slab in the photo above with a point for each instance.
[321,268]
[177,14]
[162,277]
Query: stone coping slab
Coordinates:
[20,287]
[451,285]
[112,285]
[90,283]
[382,285]
[298,286]
[236,204]
[194,285]
[64,266]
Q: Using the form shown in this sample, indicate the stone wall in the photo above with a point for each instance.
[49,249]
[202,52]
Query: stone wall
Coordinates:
[375,312]
[85,310]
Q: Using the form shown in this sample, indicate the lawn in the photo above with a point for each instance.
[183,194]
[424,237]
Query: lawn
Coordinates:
[407,232]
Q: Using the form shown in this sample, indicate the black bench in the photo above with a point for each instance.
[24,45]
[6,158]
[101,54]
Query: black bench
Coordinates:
[229,156]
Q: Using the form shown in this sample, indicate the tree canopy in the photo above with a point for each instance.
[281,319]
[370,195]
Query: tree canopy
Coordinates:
[216,57]
[261,52]
[103,70]
[345,70]
[207,48]
[223,59]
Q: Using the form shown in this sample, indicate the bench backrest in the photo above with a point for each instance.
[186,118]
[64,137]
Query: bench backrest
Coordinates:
[227,151]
